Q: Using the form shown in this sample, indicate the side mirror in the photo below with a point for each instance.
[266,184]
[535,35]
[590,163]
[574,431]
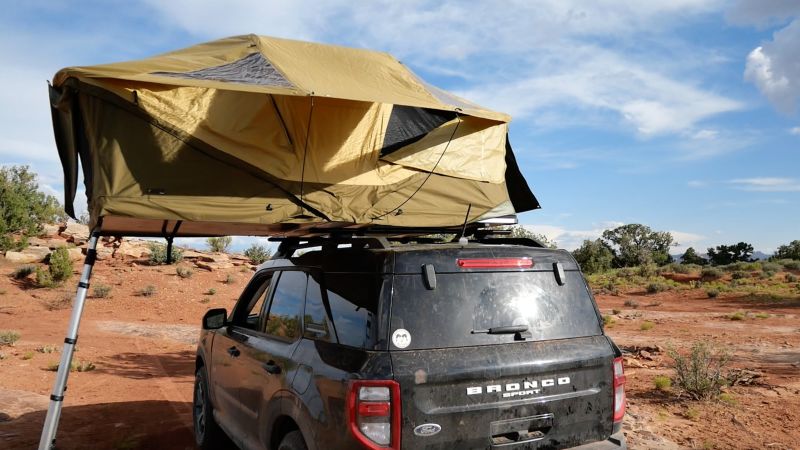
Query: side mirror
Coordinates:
[215,318]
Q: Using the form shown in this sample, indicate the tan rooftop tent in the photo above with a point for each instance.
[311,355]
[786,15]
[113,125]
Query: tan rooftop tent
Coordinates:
[259,136]
[252,135]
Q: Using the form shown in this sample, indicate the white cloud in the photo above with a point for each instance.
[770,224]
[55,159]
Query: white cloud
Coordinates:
[773,68]
[767,184]
[795,131]
[685,240]
[697,184]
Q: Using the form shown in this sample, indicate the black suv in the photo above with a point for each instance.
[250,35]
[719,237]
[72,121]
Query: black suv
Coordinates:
[366,343]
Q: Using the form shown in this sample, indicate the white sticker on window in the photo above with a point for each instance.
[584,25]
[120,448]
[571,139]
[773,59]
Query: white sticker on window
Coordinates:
[401,338]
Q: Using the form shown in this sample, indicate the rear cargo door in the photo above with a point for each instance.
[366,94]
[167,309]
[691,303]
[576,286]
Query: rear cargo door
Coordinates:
[461,387]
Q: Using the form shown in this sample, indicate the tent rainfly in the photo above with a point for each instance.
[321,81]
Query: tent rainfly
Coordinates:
[252,135]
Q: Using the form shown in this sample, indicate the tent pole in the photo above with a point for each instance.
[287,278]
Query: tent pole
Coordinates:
[48,438]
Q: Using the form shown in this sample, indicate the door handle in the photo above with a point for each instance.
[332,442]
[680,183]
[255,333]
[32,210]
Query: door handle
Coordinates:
[233,351]
[271,367]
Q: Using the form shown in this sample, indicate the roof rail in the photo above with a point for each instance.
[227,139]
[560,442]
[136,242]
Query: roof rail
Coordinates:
[288,245]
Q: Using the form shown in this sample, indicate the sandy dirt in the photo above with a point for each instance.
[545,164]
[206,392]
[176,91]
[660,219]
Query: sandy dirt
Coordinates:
[139,394]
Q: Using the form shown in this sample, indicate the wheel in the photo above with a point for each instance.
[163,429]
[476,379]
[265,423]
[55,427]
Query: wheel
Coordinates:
[293,441]
[207,434]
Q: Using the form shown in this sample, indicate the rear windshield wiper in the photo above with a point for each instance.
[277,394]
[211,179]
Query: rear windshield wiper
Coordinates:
[513,329]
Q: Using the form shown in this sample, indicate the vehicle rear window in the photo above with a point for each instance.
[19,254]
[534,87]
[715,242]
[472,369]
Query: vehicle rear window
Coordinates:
[463,302]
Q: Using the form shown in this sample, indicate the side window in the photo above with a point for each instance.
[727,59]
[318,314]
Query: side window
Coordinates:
[315,319]
[286,308]
[248,311]
[354,305]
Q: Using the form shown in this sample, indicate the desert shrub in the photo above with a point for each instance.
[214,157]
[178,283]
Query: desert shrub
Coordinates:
[205,300]
[27,356]
[84,366]
[656,287]
[184,272]
[229,279]
[762,316]
[791,278]
[791,265]
[148,291]
[616,311]
[662,382]
[711,274]
[712,293]
[219,244]
[631,303]
[767,266]
[23,271]
[60,265]
[257,253]
[44,279]
[47,349]
[727,397]
[59,303]
[737,316]
[738,275]
[24,208]
[609,321]
[647,270]
[647,326]
[767,274]
[701,373]
[681,268]
[211,291]
[101,291]
[158,254]
[8,337]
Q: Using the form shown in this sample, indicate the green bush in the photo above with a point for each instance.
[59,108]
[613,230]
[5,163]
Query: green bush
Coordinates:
[631,304]
[712,293]
[737,316]
[23,208]
[647,270]
[101,291]
[158,254]
[656,287]
[771,267]
[60,266]
[647,326]
[791,265]
[711,274]
[608,321]
[662,383]
[23,271]
[257,253]
[219,244]
[44,279]
[791,278]
[8,337]
[738,275]
[230,279]
[702,372]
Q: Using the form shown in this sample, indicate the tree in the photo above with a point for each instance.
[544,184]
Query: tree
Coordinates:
[690,256]
[219,244]
[727,254]
[257,253]
[23,208]
[519,231]
[635,245]
[594,256]
[790,251]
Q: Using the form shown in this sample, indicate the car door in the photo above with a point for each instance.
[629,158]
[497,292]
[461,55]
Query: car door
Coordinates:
[228,366]
[267,358]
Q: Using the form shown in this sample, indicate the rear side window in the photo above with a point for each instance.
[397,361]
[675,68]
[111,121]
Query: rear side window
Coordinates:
[283,320]
[315,319]
[353,299]
[467,301]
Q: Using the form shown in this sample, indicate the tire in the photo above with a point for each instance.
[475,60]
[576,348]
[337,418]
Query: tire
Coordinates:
[293,441]
[207,434]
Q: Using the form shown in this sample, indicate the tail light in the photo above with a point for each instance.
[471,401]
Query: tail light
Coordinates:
[619,390]
[373,408]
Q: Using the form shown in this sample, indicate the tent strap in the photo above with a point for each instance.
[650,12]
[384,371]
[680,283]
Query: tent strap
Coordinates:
[48,438]
[170,237]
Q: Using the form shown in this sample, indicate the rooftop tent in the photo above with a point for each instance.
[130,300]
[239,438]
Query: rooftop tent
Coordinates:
[260,136]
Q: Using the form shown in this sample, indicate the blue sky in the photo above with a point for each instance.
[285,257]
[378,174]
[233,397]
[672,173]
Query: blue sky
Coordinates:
[679,114]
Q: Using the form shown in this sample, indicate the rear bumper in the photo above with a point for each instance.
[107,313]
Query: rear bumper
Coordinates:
[614,442]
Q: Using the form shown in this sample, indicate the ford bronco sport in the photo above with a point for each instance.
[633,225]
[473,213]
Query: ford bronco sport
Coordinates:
[366,343]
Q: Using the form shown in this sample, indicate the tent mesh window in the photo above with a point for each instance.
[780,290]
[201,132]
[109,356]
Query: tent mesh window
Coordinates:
[252,69]
[408,124]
